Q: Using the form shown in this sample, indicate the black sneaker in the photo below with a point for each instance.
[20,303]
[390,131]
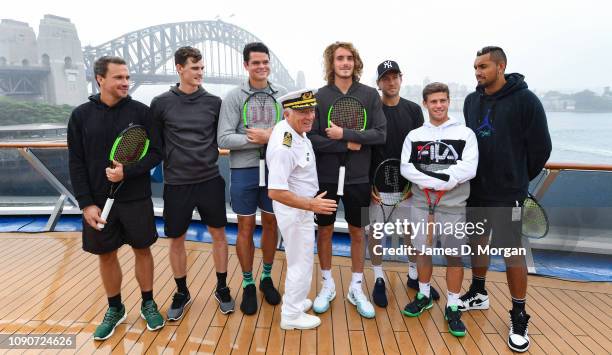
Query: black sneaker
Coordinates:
[271,295]
[249,300]
[455,325]
[474,300]
[414,284]
[417,306]
[518,340]
[224,297]
[179,303]
[379,294]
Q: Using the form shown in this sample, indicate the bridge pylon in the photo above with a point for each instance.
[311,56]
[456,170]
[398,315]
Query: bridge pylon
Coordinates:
[60,50]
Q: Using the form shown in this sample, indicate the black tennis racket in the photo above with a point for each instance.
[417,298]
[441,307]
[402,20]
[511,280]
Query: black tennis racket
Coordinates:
[260,110]
[535,221]
[346,112]
[390,186]
[129,147]
[430,158]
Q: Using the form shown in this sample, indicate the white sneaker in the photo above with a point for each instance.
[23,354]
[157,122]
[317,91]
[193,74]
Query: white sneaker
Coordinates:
[518,338]
[303,321]
[325,296]
[359,299]
[474,300]
[306,305]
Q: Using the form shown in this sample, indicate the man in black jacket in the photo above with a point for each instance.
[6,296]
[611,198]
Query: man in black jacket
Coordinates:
[402,117]
[92,128]
[184,123]
[343,68]
[514,144]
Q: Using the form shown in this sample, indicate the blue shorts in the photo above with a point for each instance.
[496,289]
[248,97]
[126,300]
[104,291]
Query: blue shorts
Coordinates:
[246,194]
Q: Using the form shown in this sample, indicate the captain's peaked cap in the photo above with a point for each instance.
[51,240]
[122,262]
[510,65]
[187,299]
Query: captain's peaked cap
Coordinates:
[300,99]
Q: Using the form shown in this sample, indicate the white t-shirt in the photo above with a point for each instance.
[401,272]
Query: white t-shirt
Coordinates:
[291,162]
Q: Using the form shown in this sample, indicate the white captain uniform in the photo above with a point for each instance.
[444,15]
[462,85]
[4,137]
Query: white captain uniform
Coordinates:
[291,162]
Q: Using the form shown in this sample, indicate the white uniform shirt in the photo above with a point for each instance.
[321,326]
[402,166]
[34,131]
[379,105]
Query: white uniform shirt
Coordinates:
[291,162]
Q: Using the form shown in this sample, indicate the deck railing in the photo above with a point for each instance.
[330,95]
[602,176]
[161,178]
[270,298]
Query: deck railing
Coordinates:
[539,187]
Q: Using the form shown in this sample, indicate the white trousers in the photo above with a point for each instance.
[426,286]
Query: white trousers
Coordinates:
[297,229]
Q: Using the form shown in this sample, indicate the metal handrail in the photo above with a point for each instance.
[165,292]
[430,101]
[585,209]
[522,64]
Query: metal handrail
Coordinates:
[54,144]
[578,166]
[37,145]
[64,144]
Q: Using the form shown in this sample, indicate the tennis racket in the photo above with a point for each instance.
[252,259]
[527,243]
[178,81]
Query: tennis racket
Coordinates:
[535,221]
[346,112]
[432,157]
[390,186]
[129,147]
[260,110]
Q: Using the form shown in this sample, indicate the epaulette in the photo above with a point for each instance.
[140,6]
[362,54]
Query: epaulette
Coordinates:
[287,139]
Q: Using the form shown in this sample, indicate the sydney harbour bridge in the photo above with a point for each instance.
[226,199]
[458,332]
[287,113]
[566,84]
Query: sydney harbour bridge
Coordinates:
[150,53]
[55,68]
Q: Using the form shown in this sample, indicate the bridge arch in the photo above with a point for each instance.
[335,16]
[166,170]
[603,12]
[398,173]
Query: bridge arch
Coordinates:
[149,53]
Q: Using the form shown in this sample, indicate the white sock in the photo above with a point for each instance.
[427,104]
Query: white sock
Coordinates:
[424,288]
[327,278]
[412,270]
[452,299]
[378,272]
[356,281]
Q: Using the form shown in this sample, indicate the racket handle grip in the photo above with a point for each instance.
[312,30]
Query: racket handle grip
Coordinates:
[262,172]
[341,181]
[430,230]
[106,211]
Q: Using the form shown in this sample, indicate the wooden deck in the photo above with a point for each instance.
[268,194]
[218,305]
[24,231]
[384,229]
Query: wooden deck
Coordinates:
[49,285]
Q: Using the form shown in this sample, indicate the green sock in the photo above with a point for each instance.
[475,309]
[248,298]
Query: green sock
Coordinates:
[267,271]
[247,279]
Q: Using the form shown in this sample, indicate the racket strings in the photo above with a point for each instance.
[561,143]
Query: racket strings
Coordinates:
[535,222]
[390,184]
[348,113]
[261,112]
[390,198]
[131,146]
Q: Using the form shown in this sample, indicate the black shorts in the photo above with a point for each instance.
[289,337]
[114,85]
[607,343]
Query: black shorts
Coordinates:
[131,223]
[496,219]
[180,200]
[356,201]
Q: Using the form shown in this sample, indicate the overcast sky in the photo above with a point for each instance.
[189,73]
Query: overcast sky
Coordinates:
[564,45]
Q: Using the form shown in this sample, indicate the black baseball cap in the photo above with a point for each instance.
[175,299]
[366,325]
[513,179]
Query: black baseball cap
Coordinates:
[387,66]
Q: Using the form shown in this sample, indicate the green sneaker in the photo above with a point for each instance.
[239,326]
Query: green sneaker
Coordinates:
[149,312]
[112,319]
[455,326]
[417,306]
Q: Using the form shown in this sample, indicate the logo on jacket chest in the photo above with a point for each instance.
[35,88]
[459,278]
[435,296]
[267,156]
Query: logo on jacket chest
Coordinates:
[439,152]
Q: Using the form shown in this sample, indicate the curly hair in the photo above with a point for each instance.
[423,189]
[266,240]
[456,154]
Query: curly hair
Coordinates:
[328,61]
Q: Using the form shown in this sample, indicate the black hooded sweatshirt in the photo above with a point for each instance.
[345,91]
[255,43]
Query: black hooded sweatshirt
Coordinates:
[513,140]
[92,129]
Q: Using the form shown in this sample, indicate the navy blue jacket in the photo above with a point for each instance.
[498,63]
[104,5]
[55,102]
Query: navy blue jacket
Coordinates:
[513,140]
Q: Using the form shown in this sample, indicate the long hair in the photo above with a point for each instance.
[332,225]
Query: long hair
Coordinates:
[328,60]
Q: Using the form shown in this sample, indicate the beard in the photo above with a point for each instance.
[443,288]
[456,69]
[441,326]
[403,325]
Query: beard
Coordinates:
[344,76]
[488,82]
